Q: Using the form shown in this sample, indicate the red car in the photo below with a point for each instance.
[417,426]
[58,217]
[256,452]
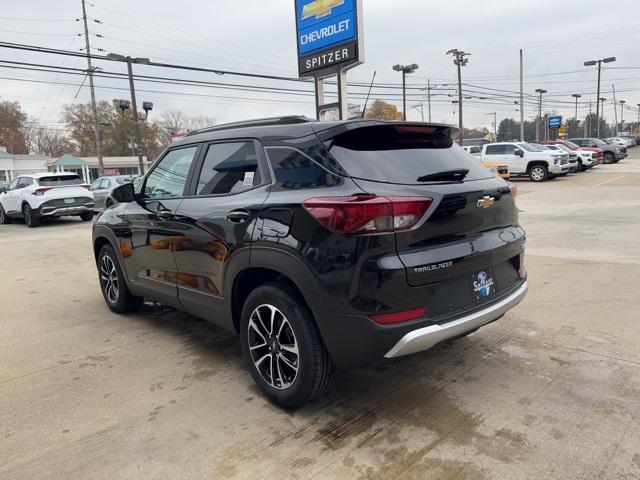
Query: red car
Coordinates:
[574,147]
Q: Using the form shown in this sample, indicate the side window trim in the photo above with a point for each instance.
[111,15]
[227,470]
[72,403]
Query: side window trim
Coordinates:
[265,172]
[196,157]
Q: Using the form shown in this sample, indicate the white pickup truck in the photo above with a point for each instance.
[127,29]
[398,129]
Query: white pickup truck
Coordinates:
[525,159]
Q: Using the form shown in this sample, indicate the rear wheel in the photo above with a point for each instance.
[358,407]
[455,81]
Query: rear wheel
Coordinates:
[538,173]
[4,218]
[86,216]
[29,218]
[609,157]
[282,346]
[112,283]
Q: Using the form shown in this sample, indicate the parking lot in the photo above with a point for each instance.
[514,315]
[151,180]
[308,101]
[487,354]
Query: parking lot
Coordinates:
[549,391]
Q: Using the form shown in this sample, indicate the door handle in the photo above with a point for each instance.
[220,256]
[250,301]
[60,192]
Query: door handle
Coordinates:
[238,216]
[164,214]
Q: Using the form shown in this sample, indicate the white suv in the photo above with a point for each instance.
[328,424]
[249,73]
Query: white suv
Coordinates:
[525,159]
[46,195]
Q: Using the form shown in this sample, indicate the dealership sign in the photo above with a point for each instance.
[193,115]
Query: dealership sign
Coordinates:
[328,36]
[555,122]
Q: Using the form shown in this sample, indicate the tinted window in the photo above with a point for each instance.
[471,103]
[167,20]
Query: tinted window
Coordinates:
[475,150]
[401,153]
[60,180]
[509,149]
[24,182]
[169,176]
[293,169]
[14,184]
[495,150]
[229,168]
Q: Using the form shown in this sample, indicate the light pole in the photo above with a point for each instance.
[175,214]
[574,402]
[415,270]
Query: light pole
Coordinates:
[459,60]
[136,122]
[622,102]
[575,118]
[540,91]
[405,69]
[591,63]
[638,126]
[495,125]
[600,100]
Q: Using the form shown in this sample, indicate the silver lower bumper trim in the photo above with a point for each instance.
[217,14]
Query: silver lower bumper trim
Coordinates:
[425,338]
[74,210]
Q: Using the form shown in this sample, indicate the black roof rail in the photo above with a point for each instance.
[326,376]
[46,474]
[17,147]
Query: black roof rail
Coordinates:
[261,122]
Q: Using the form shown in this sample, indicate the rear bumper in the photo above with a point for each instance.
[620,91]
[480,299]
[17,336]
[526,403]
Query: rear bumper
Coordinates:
[62,211]
[426,338]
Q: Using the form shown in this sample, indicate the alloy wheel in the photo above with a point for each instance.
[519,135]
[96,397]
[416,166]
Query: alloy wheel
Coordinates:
[27,215]
[2,218]
[537,173]
[273,347]
[109,279]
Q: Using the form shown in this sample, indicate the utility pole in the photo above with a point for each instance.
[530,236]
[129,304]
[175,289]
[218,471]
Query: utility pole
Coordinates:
[615,109]
[429,96]
[495,125]
[94,108]
[591,63]
[638,126]
[622,102]
[459,60]
[576,96]
[521,98]
[598,118]
[540,91]
[588,122]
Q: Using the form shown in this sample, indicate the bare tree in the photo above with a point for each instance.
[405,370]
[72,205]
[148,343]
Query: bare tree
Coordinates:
[50,142]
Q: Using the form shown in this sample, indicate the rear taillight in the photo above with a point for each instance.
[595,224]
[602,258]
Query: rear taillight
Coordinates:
[41,191]
[399,317]
[361,214]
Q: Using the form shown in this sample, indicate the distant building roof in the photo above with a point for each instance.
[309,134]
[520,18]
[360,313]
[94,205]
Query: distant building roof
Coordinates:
[68,160]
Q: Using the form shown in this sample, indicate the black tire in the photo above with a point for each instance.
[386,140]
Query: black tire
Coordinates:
[609,157]
[29,219]
[108,204]
[86,216]
[4,218]
[538,173]
[294,323]
[119,299]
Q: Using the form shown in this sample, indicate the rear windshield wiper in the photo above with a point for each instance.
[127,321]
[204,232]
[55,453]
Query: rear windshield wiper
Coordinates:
[448,175]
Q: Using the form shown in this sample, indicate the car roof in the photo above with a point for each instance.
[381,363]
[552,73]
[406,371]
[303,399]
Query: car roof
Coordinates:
[49,174]
[282,128]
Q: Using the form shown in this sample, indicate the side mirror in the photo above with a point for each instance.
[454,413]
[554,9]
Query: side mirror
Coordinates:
[125,193]
[518,152]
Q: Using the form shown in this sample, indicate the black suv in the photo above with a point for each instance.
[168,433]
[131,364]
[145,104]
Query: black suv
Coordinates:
[323,244]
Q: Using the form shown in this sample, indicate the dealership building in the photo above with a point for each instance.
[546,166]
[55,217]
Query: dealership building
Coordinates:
[13,165]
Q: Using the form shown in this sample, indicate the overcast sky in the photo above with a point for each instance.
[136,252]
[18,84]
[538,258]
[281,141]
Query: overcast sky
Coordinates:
[258,36]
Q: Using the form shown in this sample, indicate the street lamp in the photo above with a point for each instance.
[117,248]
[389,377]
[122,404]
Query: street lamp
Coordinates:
[591,63]
[638,127]
[136,124]
[622,102]
[406,70]
[540,91]
[575,118]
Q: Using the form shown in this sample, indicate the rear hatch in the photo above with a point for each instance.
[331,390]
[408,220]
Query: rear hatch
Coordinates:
[467,248]
[64,190]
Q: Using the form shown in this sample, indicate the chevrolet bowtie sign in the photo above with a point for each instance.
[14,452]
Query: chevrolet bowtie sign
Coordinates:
[328,34]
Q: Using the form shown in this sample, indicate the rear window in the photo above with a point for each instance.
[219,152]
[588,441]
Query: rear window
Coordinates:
[60,180]
[402,153]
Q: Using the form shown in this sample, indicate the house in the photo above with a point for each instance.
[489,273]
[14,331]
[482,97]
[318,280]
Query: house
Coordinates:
[13,165]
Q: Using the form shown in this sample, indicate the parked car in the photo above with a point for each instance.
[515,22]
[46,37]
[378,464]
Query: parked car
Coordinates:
[587,157]
[578,149]
[102,188]
[499,169]
[611,153]
[621,141]
[525,159]
[46,195]
[321,243]
[574,164]
[633,136]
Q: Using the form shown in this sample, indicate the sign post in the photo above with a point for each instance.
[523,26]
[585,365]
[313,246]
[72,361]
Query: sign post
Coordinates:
[330,42]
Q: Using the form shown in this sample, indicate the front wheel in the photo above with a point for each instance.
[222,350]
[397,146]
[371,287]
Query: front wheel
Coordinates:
[112,283]
[4,218]
[609,157]
[86,216]
[538,173]
[282,346]
[29,218]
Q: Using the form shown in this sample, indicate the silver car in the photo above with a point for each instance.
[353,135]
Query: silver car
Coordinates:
[103,186]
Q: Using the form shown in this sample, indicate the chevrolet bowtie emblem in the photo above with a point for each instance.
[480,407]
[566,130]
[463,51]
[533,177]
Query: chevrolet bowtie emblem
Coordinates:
[486,202]
[320,8]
